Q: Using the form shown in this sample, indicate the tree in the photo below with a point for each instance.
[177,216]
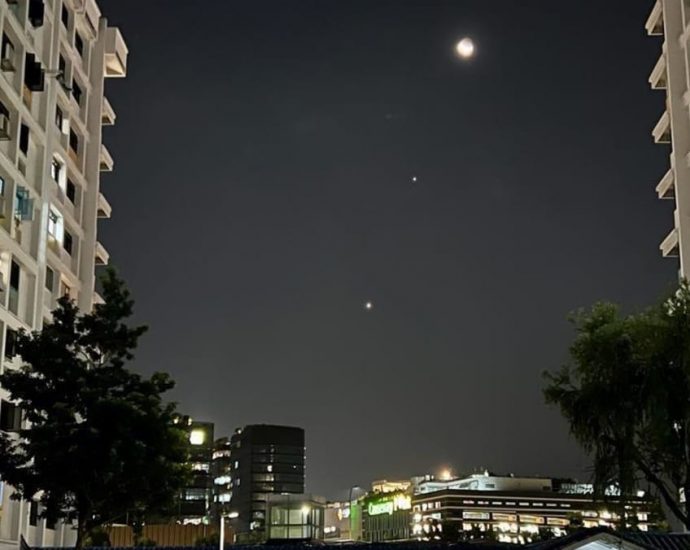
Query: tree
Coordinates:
[100,443]
[626,396]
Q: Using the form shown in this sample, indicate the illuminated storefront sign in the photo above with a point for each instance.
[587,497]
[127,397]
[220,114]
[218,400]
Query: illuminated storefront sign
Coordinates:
[389,504]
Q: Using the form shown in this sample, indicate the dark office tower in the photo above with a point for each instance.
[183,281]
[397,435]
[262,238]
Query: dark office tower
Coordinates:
[265,460]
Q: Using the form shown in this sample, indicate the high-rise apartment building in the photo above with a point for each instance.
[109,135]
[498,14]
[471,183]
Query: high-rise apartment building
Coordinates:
[54,58]
[670,19]
[265,460]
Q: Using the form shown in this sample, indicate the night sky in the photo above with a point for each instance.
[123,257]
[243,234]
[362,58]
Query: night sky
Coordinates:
[263,193]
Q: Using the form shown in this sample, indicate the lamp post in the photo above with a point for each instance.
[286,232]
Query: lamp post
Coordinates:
[231,515]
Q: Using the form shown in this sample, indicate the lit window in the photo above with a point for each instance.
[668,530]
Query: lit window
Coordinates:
[197,437]
[56,225]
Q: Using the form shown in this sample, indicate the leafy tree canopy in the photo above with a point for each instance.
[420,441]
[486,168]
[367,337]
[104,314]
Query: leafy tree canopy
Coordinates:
[99,441]
[626,397]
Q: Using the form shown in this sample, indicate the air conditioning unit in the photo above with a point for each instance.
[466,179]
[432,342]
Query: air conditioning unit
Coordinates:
[7,65]
[4,127]
[65,126]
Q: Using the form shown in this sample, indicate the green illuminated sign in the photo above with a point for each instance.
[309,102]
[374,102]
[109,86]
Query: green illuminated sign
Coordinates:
[389,504]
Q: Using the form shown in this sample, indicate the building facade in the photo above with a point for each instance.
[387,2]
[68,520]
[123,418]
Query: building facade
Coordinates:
[196,500]
[519,510]
[221,471]
[295,517]
[670,19]
[387,516]
[54,58]
[266,460]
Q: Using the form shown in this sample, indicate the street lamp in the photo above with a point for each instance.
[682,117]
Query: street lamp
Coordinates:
[231,515]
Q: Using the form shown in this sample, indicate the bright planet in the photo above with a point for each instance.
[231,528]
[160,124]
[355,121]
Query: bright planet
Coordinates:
[465,48]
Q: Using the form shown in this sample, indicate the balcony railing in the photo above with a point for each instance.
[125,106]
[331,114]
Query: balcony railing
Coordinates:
[658,79]
[107,162]
[655,22]
[108,115]
[669,246]
[666,188]
[102,256]
[662,130]
[104,208]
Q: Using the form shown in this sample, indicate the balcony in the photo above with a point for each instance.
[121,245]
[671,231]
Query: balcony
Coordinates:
[655,22]
[669,246]
[657,79]
[102,256]
[91,14]
[107,162]
[662,130]
[104,208]
[115,54]
[107,114]
[667,186]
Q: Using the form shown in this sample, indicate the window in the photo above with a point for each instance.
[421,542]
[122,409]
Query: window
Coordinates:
[10,343]
[10,417]
[71,191]
[62,72]
[56,170]
[73,141]
[55,225]
[59,117]
[64,16]
[79,44]
[33,513]
[15,272]
[2,185]
[24,207]
[67,242]
[50,279]
[7,54]
[76,92]
[24,139]
[36,12]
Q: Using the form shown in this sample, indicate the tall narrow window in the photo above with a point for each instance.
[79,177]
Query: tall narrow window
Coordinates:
[10,343]
[56,171]
[71,191]
[33,513]
[4,122]
[76,92]
[7,54]
[10,417]
[55,225]
[64,15]
[79,44]
[15,275]
[24,139]
[74,141]
[67,242]
[59,117]
[50,279]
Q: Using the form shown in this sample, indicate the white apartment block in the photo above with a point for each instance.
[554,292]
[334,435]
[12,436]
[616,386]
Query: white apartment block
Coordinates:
[54,57]
[670,19]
